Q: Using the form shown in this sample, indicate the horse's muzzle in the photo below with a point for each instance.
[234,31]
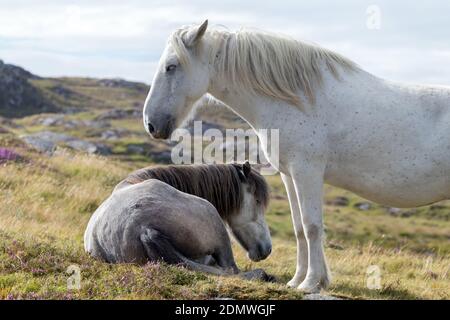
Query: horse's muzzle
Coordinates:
[160,132]
[261,252]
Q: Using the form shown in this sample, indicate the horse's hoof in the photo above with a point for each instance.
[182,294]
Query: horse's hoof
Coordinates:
[295,282]
[310,286]
[292,284]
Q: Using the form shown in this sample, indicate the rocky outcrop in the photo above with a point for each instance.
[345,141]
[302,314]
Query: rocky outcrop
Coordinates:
[18,97]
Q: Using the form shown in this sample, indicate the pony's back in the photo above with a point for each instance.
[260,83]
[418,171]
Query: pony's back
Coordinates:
[220,184]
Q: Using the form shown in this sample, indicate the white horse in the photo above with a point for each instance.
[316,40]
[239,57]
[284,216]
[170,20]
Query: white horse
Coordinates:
[386,141]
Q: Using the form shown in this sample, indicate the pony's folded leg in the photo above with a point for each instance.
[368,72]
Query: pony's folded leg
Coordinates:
[207,260]
[195,266]
[158,247]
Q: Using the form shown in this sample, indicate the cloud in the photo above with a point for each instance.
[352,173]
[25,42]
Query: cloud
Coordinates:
[125,39]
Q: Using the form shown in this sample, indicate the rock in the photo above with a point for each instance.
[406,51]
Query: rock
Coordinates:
[18,96]
[8,123]
[73,110]
[96,124]
[40,144]
[363,206]
[318,296]
[135,149]
[335,246]
[115,114]
[113,134]
[338,202]
[161,156]
[60,120]
[46,141]
[110,135]
[72,124]
[88,147]
[394,211]
[437,207]
[397,212]
[54,137]
[407,214]
[257,274]
[63,91]
[50,121]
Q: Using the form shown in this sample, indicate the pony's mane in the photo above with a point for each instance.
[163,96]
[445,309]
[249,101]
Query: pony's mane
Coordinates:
[220,184]
[269,64]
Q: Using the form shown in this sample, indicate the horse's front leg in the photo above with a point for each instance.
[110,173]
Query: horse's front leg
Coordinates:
[308,183]
[302,245]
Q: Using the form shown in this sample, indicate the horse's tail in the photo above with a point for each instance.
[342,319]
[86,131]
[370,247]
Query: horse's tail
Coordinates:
[158,247]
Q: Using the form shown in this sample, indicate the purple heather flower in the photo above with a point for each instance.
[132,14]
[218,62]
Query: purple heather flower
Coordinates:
[7,154]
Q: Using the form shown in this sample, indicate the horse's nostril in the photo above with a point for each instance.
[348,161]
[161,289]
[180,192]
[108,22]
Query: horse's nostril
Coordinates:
[151,128]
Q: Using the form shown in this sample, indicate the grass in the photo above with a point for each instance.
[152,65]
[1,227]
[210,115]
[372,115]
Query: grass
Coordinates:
[47,201]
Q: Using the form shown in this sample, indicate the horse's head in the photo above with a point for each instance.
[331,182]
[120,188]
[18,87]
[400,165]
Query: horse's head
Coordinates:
[248,225]
[181,79]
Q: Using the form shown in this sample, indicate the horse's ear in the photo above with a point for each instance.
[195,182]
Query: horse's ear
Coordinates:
[246,168]
[196,33]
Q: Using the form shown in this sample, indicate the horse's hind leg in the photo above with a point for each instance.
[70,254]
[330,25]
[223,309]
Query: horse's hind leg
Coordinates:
[158,247]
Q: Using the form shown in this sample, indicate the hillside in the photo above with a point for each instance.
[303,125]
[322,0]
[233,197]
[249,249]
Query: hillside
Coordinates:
[18,96]
[103,116]
[57,167]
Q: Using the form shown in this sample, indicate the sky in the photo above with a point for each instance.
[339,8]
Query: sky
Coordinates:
[398,40]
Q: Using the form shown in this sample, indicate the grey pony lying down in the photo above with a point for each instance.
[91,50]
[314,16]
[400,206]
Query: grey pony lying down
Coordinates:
[179,214]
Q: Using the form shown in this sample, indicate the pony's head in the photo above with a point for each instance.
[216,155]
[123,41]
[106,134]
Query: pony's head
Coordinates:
[182,77]
[248,224]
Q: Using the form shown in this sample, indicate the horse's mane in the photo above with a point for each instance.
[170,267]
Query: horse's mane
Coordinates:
[269,64]
[220,184]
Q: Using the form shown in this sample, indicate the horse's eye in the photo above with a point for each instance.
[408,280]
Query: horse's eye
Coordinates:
[171,68]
